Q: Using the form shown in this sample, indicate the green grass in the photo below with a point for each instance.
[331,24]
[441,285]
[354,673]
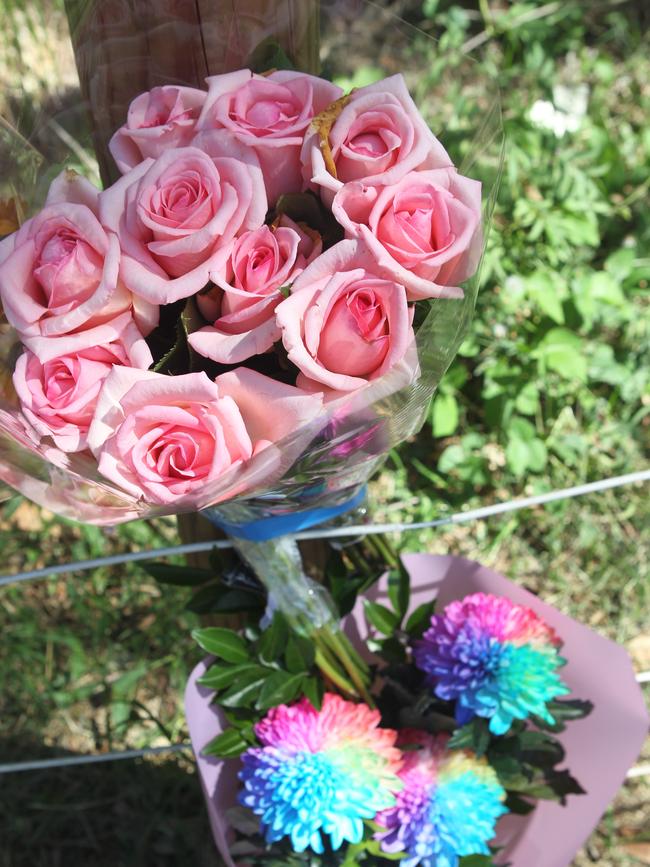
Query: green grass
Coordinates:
[126,814]
[551,388]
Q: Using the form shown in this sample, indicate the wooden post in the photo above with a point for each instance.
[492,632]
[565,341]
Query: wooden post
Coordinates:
[124,47]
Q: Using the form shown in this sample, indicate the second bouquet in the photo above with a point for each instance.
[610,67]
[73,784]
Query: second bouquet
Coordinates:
[457,730]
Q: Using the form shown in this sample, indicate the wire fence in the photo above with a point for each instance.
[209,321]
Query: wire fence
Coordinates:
[320,533]
[341,532]
[119,755]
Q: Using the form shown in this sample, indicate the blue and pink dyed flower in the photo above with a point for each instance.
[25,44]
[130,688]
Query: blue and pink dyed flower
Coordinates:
[320,773]
[496,659]
[448,807]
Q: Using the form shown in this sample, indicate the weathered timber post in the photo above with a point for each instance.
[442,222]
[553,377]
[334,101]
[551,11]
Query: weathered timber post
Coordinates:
[124,47]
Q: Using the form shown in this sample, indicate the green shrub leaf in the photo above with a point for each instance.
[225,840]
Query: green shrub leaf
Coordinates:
[223,643]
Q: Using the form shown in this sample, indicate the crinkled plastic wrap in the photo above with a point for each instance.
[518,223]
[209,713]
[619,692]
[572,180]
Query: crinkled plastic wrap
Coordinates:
[128,46]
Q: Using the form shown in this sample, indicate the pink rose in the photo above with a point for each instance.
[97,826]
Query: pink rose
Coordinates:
[345,323]
[189,441]
[58,381]
[270,114]
[163,118]
[377,134]
[176,218]
[424,229]
[59,272]
[242,308]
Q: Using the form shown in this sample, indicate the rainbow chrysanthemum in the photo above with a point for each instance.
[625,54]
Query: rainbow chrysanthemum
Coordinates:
[496,659]
[448,807]
[320,773]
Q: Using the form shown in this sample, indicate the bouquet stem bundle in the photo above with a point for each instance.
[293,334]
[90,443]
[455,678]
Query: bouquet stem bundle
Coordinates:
[309,610]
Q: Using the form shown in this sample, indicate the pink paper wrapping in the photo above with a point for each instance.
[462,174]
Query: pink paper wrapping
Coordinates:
[599,749]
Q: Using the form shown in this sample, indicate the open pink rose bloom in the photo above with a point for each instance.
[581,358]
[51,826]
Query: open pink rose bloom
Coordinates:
[257,307]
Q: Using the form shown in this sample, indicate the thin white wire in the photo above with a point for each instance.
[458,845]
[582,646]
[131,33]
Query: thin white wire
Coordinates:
[69,761]
[334,532]
[338,532]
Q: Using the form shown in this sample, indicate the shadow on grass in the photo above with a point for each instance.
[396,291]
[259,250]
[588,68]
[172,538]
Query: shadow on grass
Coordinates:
[131,813]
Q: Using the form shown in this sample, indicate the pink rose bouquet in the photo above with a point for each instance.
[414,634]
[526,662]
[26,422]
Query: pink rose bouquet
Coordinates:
[241,301]
[198,326]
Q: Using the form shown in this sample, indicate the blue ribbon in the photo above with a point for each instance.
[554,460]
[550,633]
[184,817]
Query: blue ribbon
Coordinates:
[282,525]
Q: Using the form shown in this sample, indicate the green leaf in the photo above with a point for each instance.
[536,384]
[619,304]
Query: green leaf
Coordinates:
[420,619]
[444,415]
[518,805]
[243,819]
[510,770]
[280,688]
[237,601]
[521,429]
[215,598]
[373,848]
[474,736]
[202,602]
[430,7]
[221,676]
[565,710]
[547,289]
[299,654]
[476,861]
[537,455]
[227,745]
[540,750]
[273,641]
[223,643]
[553,786]
[517,456]
[562,350]
[620,263]
[182,576]
[241,718]
[246,688]
[603,366]
[399,590]
[527,401]
[381,617]
[392,650]
[312,689]
[563,783]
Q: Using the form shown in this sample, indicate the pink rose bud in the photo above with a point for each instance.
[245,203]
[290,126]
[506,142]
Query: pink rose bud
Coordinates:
[242,308]
[163,118]
[425,229]
[374,133]
[345,323]
[59,273]
[58,380]
[270,114]
[176,218]
[188,441]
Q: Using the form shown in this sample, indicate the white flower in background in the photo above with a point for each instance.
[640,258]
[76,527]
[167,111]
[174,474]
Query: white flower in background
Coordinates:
[565,113]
